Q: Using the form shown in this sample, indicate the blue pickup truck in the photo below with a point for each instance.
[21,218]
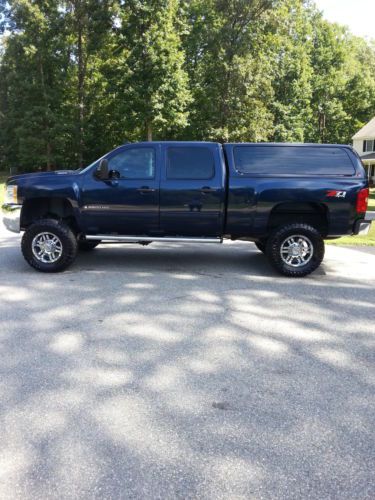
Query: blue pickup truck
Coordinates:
[286,198]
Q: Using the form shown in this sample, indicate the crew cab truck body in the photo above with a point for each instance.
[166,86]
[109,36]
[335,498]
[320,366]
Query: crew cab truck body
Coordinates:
[286,198]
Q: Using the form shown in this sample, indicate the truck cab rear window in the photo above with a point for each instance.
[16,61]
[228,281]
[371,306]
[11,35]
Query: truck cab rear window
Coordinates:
[190,163]
[292,160]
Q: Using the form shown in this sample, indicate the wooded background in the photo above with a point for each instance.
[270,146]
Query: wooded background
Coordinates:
[79,77]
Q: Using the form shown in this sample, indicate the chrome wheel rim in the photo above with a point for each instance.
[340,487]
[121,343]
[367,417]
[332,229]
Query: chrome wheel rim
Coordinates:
[296,250]
[47,247]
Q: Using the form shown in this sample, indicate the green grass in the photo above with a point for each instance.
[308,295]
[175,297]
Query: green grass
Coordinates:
[368,240]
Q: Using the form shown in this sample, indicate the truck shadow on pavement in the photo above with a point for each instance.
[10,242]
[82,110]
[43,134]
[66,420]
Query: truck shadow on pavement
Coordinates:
[176,373]
[169,258]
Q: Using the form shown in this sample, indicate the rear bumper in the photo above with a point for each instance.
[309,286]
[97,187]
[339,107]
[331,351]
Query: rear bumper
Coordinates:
[12,217]
[362,226]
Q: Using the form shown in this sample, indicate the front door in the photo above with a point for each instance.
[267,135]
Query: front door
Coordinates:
[192,192]
[128,204]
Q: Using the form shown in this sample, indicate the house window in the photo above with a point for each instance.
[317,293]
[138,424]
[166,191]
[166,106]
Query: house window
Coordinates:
[368,146]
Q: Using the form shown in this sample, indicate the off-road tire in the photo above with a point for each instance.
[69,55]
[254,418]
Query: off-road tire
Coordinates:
[65,235]
[278,236]
[87,245]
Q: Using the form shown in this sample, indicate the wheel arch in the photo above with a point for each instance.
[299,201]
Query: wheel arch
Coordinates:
[34,209]
[312,213]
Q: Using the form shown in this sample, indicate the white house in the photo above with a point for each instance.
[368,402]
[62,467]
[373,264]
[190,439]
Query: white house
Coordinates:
[364,144]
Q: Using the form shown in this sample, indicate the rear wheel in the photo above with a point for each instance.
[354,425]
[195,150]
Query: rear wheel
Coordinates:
[295,250]
[49,245]
[87,245]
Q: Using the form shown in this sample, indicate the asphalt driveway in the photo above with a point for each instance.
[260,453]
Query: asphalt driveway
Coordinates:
[178,371]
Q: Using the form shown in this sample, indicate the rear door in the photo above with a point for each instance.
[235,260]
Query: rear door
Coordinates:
[192,190]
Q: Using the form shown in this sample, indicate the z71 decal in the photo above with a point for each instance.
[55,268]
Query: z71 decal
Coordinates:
[336,194]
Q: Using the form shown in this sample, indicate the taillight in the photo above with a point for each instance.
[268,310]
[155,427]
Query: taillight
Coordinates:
[362,200]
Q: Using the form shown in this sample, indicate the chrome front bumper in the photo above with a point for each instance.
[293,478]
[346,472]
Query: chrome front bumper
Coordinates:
[12,217]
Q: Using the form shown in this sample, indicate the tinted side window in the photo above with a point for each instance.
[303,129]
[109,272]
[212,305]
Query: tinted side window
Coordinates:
[292,160]
[190,163]
[135,163]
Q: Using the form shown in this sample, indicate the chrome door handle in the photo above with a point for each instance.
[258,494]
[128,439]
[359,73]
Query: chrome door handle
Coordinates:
[206,190]
[146,189]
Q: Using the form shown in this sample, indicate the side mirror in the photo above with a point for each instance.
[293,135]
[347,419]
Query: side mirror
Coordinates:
[102,172]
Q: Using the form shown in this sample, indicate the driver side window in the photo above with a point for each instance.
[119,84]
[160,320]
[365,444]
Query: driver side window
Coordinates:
[135,163]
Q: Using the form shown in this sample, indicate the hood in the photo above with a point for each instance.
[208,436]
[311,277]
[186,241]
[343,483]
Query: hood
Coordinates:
[35,175]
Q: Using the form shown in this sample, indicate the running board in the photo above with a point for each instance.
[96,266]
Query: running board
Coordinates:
[140,239]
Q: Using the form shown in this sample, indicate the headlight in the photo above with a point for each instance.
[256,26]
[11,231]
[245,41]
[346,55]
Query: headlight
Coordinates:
[11,194]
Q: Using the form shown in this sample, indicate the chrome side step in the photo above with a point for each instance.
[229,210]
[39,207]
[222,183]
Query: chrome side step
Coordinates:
[140,239]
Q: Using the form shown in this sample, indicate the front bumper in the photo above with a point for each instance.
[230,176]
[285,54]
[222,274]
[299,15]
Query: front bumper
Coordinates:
[12,217]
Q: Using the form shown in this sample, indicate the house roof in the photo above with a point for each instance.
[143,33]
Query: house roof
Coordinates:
[366,132]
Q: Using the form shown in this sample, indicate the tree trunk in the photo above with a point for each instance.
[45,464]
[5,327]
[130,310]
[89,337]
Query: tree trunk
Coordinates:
[45,96]
[48,151]
[81,82]
[149,131]
[322,126]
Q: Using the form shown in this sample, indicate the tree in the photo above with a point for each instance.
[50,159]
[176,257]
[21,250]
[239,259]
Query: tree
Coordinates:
[151,83]
[229,70]
[89,24]
[79,77]
[358,95]
[33,67]
[289,48]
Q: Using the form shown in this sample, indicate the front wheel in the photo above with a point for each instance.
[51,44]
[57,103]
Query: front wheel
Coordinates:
[295,250]
[49,245]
